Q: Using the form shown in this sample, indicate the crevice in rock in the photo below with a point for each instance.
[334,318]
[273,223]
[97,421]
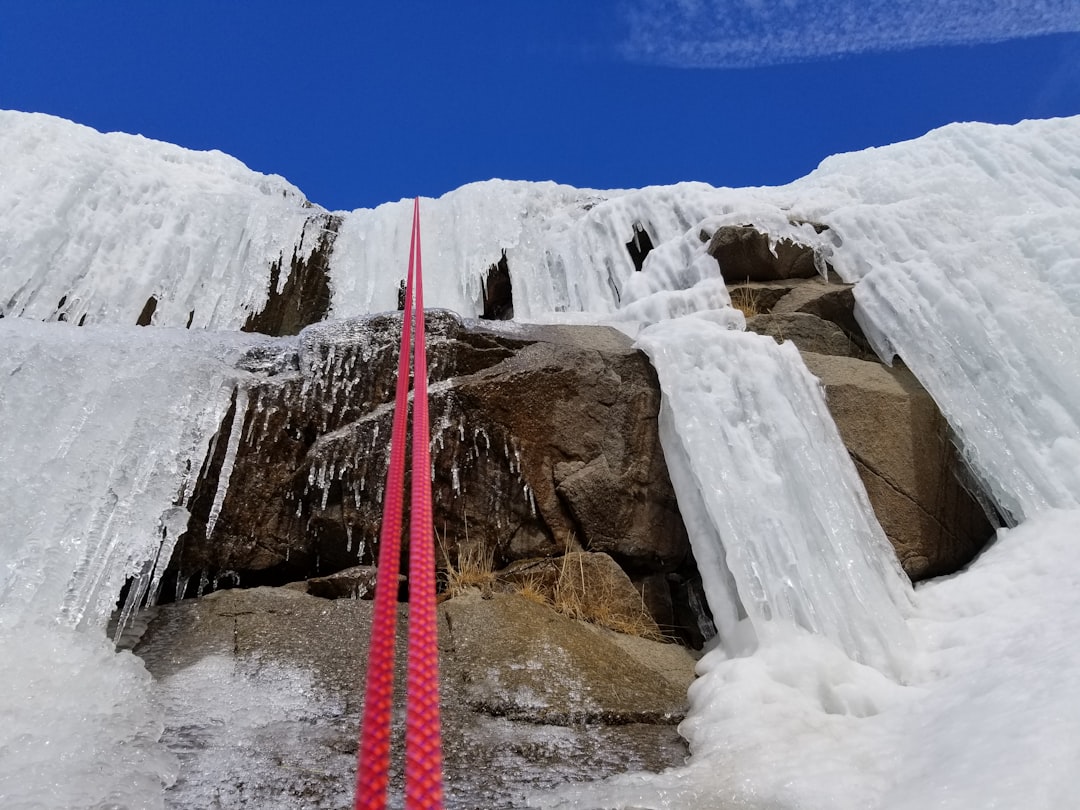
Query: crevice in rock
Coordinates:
[639,246]
[864,464]
[498,292]
[756,298]
[304,298]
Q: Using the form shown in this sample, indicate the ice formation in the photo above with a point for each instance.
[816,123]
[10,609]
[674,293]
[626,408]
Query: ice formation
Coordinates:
[105,430]
[749,441]
[832,686]
[92,226]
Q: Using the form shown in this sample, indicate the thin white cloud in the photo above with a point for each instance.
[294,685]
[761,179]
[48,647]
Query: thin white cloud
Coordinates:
[750,33]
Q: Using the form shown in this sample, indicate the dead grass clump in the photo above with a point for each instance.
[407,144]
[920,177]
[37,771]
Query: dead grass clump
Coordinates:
[532,588]
[474,569]
[748,301]
[589,596]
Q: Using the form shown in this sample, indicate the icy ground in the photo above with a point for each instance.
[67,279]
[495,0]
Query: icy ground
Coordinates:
[833,685]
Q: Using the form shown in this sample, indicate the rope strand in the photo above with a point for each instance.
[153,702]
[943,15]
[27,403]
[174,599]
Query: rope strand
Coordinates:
[423,773]
[423,747]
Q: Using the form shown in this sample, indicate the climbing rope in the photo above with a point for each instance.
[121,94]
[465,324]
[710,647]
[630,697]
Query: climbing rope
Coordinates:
[423,733]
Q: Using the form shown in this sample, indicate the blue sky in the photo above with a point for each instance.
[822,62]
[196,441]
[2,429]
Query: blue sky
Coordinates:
[359,103]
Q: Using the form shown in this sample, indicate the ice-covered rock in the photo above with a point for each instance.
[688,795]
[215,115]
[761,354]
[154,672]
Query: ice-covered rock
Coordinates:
[778,517]
[963,245]
[544,441]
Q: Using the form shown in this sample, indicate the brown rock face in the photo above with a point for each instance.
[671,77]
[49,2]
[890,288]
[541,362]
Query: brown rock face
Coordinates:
[304,298]
[543,439]
[897,437]
[809,332]
[743,254]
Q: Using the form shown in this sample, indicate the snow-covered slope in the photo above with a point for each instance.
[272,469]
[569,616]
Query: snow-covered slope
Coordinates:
[967,246]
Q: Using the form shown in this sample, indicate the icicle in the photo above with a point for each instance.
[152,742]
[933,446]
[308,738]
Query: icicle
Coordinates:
[181,587]
[230,457]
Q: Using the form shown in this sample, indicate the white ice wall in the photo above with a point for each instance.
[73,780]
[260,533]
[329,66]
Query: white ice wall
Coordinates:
[104,222]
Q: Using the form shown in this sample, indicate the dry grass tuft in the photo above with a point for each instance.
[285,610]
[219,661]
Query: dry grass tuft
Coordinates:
[474,569]
[747,300]
[533,590]
[591,600]
[563,586]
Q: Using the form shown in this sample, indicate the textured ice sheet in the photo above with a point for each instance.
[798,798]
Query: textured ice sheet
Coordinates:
[105,430]
[112,425]
[93,225]
[747,427]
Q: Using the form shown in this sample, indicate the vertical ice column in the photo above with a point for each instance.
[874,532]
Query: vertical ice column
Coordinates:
[773,502]
[106,429]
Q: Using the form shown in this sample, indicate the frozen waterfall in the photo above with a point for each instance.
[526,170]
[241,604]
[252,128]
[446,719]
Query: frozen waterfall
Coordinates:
[105,429]
[833,685]
[776,505]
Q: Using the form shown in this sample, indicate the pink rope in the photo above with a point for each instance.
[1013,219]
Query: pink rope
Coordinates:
[423,727]
[423,771]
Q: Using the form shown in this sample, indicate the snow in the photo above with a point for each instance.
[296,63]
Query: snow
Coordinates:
[989,719]
[831,684]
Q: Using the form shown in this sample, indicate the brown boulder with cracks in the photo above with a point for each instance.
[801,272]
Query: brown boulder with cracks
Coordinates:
[898,440]
[543,438]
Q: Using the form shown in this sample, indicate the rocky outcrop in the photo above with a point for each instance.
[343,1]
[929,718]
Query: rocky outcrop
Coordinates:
[809,332]
[543,667]
[304,297]
[263,694]
[745,254]
[590,586]
[891,426]
[544,441]
[900,444]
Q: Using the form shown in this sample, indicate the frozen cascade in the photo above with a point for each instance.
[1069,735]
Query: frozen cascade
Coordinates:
[964,242]
[113,424]
[748,427]
[92,225]
[978,291]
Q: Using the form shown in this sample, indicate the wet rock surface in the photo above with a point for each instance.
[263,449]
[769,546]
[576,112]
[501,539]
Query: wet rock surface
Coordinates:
[544,440]
[262,690]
